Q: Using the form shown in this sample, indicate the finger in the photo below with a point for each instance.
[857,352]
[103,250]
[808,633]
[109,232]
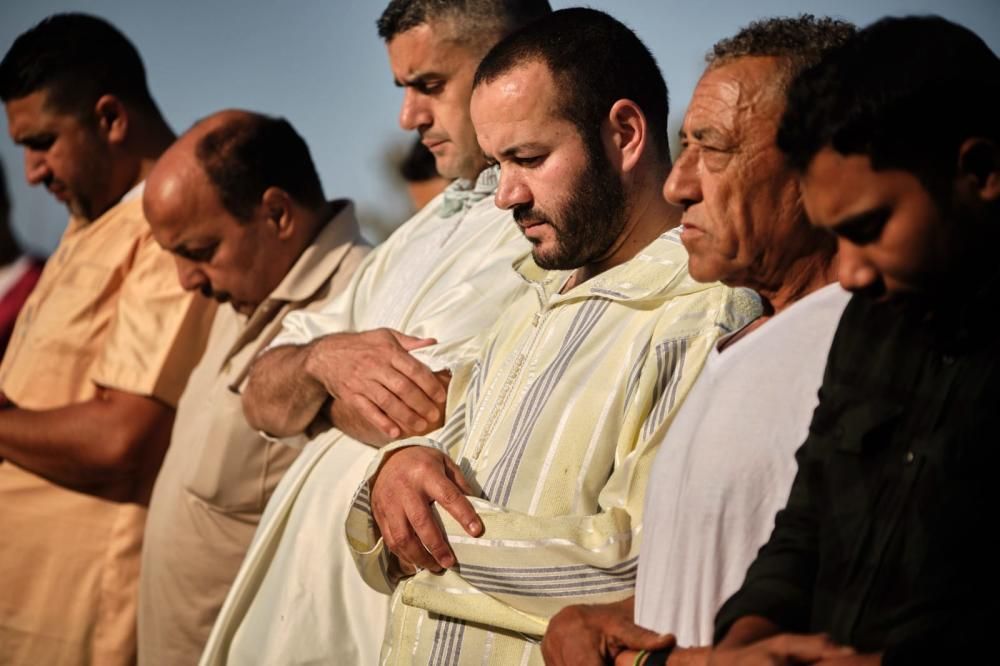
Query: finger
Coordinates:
[408,342]
[420,375]
[410,392]
[428,530]
[370,412]
[802,647]
[403,542]
[454,473]
[394,408]
[634,637]
[452,498]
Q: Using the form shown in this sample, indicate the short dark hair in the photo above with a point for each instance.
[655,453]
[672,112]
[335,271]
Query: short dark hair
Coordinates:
[905,91]
[418,164]
[799,41]
[596,60]
[75,58]
[253,152]
[474,18]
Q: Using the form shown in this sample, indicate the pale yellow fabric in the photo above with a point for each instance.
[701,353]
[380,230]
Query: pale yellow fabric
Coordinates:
[554,425]
[108,310]
[298,599]
[219,472]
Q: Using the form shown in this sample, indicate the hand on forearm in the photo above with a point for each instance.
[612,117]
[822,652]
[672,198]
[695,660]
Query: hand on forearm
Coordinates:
[374,375]
[756,640]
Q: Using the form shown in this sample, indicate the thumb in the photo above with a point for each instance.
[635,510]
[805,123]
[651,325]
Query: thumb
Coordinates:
[409,343]
[634,637]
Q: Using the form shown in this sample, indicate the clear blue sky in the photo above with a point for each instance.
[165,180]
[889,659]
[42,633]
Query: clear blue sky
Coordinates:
[320,64]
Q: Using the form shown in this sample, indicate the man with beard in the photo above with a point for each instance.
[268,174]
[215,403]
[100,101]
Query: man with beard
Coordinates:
[551,431]
[99,355]
[443,276]
[884,545]
[725,464]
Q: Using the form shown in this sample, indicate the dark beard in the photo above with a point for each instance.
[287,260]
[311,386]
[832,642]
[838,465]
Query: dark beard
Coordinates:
[591,220]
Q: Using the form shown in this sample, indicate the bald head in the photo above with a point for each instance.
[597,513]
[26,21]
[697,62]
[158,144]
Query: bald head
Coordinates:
[236,199]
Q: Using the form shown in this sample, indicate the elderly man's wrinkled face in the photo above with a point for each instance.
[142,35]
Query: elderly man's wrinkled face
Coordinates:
[565,195]
[742,216]
[436,74]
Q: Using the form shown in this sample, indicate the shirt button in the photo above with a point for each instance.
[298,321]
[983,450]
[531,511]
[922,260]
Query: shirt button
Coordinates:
[908,458]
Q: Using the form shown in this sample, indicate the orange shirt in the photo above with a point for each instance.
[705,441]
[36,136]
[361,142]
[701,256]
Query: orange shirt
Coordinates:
[107,311]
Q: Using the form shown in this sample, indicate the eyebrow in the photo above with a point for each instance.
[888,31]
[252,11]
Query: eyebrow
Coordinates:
[512,151]
[701,133]
[860,223]
[416,79]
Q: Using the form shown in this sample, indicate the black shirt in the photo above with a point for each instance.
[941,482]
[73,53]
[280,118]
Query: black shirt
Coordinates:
[885,541]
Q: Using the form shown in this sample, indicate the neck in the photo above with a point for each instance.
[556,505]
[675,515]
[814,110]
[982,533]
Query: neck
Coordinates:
[649,216]
[802,277]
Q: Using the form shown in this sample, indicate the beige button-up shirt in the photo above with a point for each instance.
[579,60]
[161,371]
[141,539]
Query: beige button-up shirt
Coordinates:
[107,311]
[219,472]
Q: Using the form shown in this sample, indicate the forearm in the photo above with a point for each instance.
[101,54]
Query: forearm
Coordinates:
[86,445]
[281,397]
[747,630]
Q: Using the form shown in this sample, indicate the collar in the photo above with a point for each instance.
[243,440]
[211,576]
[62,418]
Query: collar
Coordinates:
[321,258]
[660,269]
[462,194]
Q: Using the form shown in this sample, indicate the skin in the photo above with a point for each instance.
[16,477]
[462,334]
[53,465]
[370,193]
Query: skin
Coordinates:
[231,260]
[894,237]
[743,225]
[435,71]
[112,445]
[513,114]
[753,641]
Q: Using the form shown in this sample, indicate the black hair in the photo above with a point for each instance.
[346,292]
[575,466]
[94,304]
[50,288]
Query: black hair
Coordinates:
[596,61]
[473,18]
[906,92]
[75,58]
[253,152]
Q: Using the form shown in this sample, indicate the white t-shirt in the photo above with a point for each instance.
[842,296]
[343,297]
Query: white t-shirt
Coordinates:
[726,465]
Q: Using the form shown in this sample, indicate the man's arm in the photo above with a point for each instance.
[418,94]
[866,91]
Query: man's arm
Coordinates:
[97,446]
[370,373]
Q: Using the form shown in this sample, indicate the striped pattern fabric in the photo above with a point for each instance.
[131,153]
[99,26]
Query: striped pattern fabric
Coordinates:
[555,425]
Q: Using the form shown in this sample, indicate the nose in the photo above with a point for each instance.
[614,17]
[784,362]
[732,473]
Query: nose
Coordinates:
[683,185]
[511,191]
[415,111]
[191,277]
[35,168]
[855,271]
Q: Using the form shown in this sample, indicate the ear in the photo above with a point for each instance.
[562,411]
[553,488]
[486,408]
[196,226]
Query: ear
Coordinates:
[979,162]
[626,132]
[276,205]
[112,118]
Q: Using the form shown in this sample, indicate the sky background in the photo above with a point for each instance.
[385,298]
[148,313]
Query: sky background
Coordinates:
[321,64]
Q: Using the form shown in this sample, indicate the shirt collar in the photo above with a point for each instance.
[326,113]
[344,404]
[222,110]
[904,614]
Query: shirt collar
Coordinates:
[462,194]
[319,261]
[659,268]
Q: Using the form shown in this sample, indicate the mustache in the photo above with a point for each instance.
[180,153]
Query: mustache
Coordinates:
[526,213]
[220,296]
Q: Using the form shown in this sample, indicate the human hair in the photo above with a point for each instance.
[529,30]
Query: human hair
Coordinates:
[906,92]
[471,19]
[252,152]
[75,59]
[595,61]
[798,41]
[418,164]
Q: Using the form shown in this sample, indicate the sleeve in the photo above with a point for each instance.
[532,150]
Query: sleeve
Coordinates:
[526,567]
[158,331]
